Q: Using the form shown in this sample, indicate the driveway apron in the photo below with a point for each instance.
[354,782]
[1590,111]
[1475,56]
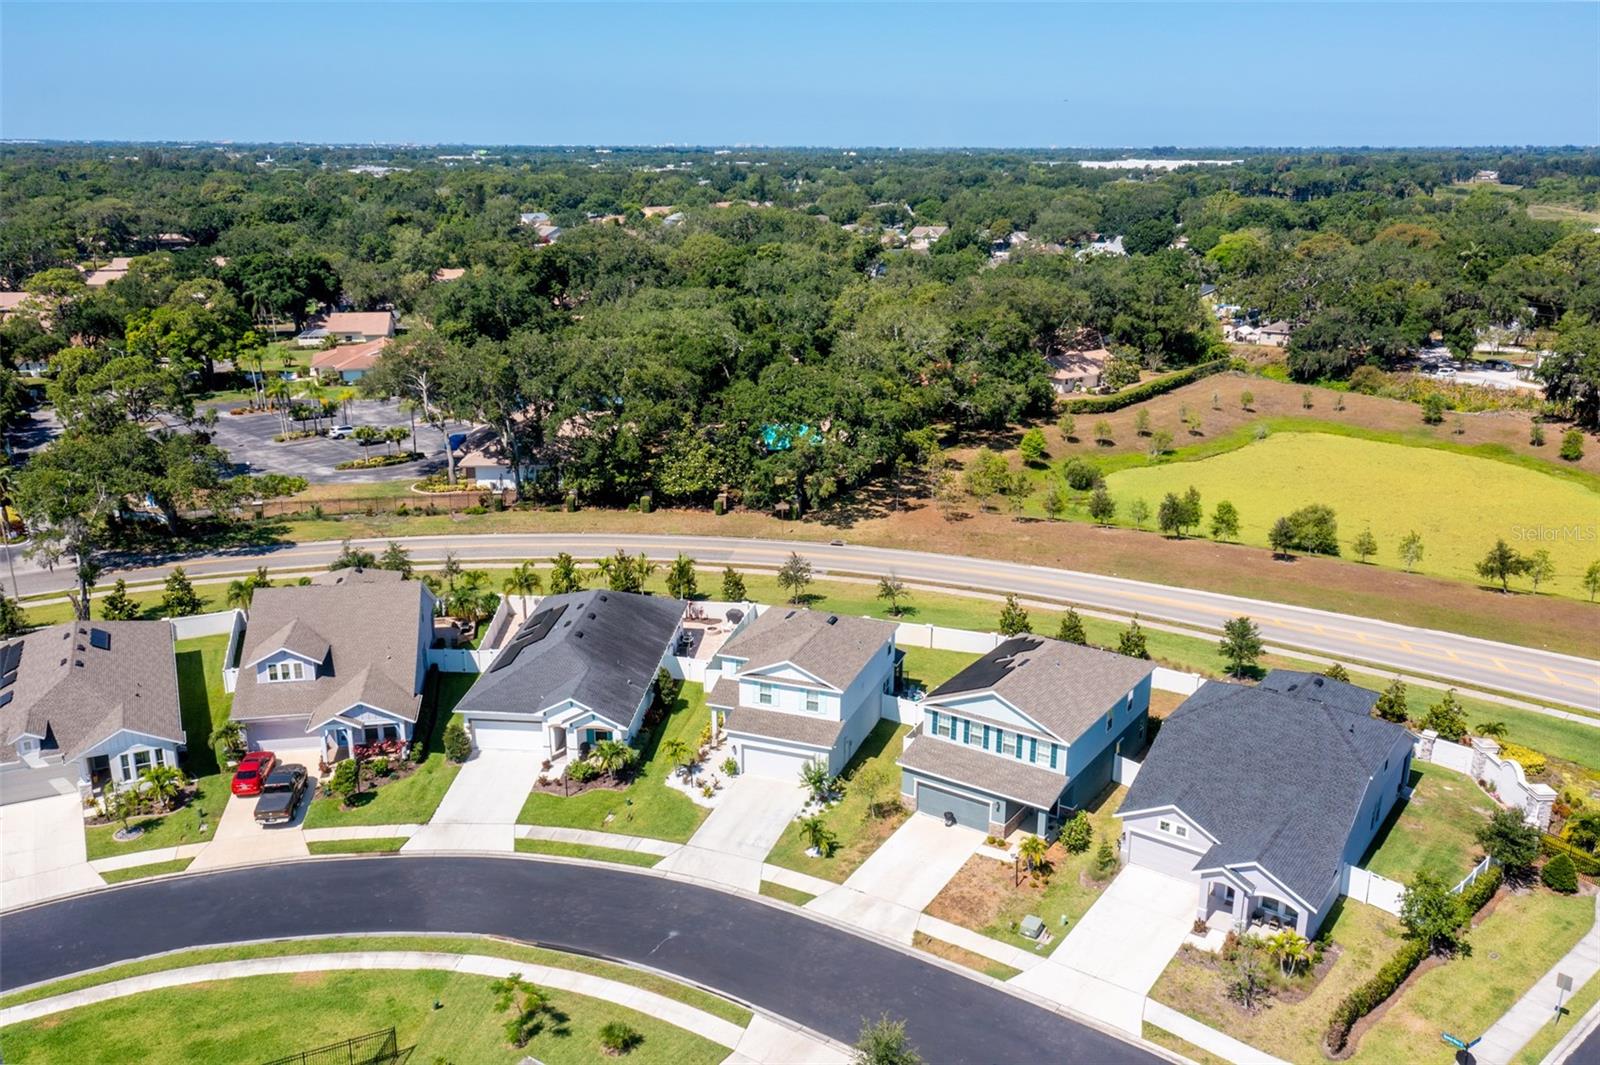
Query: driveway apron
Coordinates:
[480,810]
[43,852]
[732,843]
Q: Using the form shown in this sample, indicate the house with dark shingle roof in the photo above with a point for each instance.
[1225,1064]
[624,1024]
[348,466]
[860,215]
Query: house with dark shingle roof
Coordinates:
[579,670]
[334,663]
[1026,735]
[1263,795]
[101,695]
[794,686]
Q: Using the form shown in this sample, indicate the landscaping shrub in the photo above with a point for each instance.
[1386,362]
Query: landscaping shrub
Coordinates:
[1572,445]
[1560,874]
[1148,390]
[457,747]
[1480,891]
[1077,834]
[1533,763]
[582,772]
[618,1038]
[1080,475]
[1585,863]
[730,766]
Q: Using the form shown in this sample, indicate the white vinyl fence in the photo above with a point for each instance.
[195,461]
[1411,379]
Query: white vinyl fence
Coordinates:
[1502,777]
[1374,890]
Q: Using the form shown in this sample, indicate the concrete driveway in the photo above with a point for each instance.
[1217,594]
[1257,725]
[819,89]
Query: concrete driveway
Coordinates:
[42,851]
[1107,964]
[732,843]
[480,810]
[239,840]
[892,887]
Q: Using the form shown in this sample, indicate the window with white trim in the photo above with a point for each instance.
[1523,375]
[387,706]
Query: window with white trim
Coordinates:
[813,704]
[764,694]
[287,670]
[1172,828]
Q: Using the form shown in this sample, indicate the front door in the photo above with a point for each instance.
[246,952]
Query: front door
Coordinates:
[99,771]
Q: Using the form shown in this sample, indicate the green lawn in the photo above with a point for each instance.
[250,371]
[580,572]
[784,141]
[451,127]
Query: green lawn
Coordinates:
[1372,484]
[984,897]
[995,970]
[1434,830]
[646,807]
[375,845]
[413,800]
[581,850]
[492,947]
[139,872]
[1514,945]
[1572,1010]
[148,601]
[1162,1037]
[857,833]
[930,668]
[1292,1030]
[784,893]
[264,1017]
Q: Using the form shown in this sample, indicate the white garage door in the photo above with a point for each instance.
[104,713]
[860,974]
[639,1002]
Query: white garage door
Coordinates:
[1162,857]
[270,735]
[773,764]
[508,735]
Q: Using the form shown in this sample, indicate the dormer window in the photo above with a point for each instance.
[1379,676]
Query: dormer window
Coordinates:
[813,704]
[289,670]
[764,694]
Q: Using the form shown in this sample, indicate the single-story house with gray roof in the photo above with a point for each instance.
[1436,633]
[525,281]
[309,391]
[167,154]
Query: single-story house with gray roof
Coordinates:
[1026,735]
[98,695]
[794,686]
[1262,795]
[579,670]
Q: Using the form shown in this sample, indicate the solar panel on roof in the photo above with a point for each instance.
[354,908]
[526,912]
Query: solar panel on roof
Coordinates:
[532,631]
[100,638]
[5,699]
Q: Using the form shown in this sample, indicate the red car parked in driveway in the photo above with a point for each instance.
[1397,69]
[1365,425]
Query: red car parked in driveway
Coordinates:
[252,771]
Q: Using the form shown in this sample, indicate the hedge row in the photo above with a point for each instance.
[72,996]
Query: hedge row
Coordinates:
[1376,990]
[1587,863]
[1147,390]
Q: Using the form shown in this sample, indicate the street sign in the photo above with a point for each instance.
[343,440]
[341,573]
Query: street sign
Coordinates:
[1458,1044]
[1563,982]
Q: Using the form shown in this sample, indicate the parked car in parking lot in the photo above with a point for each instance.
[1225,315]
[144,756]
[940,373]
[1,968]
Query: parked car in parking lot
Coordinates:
[281,794]
[252,770]
[340,432]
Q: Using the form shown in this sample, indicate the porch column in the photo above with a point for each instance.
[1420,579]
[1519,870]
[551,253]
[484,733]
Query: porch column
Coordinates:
[1203,910]
[1241,908]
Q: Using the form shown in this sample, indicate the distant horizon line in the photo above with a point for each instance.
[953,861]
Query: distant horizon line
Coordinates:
[1154,151]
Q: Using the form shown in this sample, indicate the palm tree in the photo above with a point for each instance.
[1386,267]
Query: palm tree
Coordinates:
[229,736]
[1290,948]
[1032,851]
[315,391]
[1495,730]
[679,753]
[163,782]
[470,598]
[814,775]
[281,391]
[523,581]
[816,836]
[344,397]
[239,594]
[612,756]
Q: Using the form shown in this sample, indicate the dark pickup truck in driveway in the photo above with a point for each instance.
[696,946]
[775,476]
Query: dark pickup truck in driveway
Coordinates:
[280,794]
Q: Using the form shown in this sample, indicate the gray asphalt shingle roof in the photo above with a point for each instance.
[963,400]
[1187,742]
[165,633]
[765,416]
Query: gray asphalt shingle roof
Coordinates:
[995,774]
[777,725]
[834,648]
[70,687]
[1065,687]
[600,649]
[1277,777]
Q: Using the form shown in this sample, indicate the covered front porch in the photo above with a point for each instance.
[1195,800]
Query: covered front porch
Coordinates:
[366,732]
[1230,904]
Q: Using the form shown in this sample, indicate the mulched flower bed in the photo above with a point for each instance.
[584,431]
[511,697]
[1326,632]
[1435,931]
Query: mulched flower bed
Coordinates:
[556,785]
[149,808]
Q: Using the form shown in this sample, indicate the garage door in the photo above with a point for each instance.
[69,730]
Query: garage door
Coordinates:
[507,735]
[1161,856]
[773,764]
[973,813]
[270,735]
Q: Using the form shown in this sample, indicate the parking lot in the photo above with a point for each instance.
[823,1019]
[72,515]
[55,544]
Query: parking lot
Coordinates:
[248,439]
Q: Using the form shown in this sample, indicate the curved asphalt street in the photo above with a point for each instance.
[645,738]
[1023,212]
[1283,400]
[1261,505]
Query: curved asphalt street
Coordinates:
[1465,660]
[811,973]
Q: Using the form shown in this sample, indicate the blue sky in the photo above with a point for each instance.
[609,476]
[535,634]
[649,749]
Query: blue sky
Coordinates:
[1276,74]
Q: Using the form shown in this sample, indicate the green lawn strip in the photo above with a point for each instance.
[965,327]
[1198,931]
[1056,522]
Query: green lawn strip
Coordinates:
[856,832]
[148,600]
[583,850]
[225,1021]
[492,947]
[1434,830]
[375,845]
[997,970]
[646,807]
[139,872]
[1521,938]
[413,800]
[1288,1027]
[1573,1009]
[1068,890]
[794,896]
[1164,1038]
[929,668]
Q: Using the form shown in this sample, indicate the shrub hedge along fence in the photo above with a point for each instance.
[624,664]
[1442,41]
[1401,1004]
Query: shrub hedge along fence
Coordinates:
[1147,390]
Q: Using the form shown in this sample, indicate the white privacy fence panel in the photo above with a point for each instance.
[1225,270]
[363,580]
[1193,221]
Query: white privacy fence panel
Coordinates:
[1372,889]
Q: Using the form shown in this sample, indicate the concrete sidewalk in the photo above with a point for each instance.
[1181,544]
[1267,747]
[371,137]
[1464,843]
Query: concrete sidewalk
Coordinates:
[611,840]
[1537,1008]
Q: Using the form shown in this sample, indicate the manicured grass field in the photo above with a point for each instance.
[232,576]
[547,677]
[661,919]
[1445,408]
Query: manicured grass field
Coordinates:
[264,1017]
[857,833]
[784,893]
[1514,945]
[984,897]
[582,850]
[492,947]
[139,872]
[413,800]
[1292,1030]
[1459,504]
[1434,830]
[375,845]
[646,807]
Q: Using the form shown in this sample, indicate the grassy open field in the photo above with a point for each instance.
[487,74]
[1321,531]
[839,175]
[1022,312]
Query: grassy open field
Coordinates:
[1555,212]
[1436,829]
[226,1021]
[1459,504]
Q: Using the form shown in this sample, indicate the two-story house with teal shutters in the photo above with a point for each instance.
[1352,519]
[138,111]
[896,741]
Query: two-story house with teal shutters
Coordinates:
[796,686]
[1025,735]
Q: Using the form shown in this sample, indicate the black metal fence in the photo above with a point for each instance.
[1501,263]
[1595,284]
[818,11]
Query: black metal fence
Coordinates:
[374,1048]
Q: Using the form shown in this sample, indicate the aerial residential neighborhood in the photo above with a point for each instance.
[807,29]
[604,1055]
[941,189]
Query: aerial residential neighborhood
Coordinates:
[750,535]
